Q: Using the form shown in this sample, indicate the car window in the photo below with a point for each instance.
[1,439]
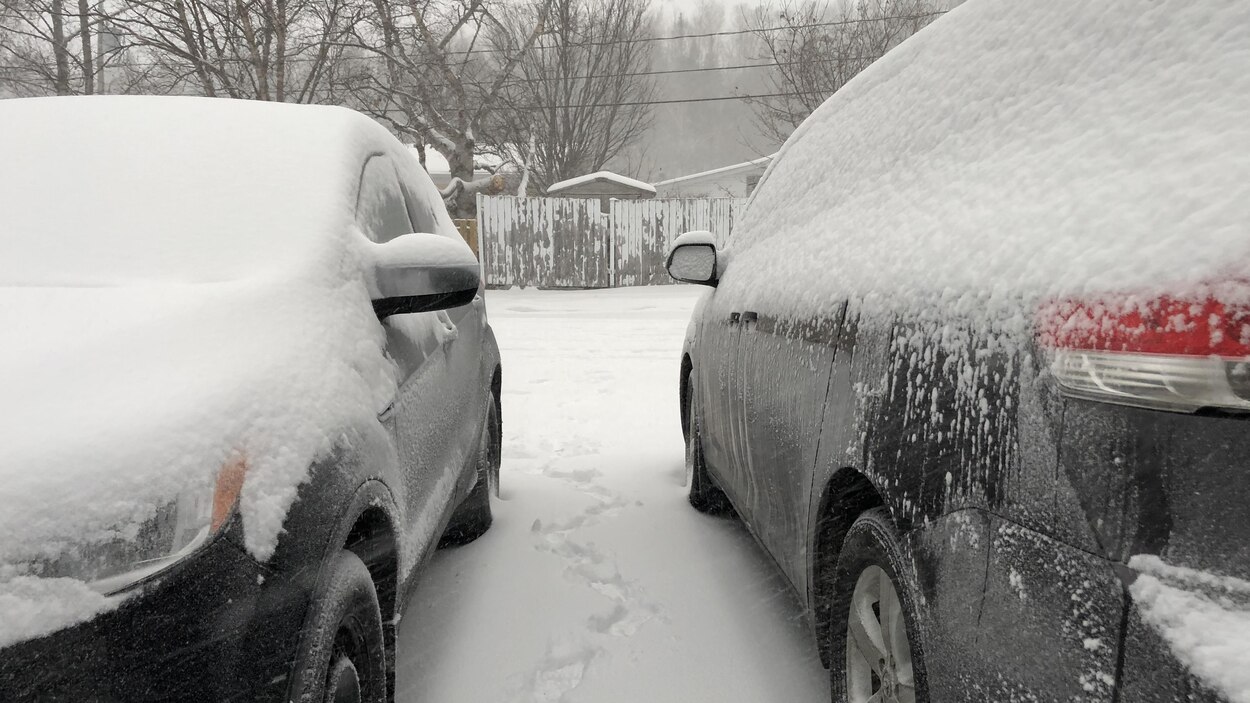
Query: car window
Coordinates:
[425,203]
[423,209]
[380,208]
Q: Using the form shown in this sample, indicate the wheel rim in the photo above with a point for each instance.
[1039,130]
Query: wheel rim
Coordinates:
[878,652]
[343,683]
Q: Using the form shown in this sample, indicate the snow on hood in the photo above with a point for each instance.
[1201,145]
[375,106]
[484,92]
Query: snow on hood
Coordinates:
[1017,149]
[117,399]
[240,328]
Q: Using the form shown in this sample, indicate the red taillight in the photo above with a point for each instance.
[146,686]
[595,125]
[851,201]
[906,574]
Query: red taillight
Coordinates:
[1163,325]
[1167,352]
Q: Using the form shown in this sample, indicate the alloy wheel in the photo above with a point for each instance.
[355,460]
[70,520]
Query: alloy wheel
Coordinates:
[878,653]
[343,682]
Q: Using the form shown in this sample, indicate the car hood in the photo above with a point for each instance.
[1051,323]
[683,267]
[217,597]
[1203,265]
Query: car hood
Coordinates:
[118,399]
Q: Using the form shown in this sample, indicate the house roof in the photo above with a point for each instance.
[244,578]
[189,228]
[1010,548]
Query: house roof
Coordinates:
[601,176]
[752,165]
[436,164]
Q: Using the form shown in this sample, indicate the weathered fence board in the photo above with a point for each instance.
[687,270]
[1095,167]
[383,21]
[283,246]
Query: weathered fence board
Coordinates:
[568,243]
[549,242]
[644,231]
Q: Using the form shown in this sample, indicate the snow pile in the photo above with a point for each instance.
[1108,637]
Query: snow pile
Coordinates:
[194,295]
[600,176]
[1205,618]
[1012,151]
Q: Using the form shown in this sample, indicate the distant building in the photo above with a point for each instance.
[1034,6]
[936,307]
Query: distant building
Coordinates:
[736,181]
[440,171]
[603,185]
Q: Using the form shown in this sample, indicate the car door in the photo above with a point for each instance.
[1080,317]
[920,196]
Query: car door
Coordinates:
[463,328]
[424,416]
[719,383]
[786,361]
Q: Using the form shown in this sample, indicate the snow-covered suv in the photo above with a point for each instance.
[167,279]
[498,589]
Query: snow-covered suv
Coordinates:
[975,369]
[248,381]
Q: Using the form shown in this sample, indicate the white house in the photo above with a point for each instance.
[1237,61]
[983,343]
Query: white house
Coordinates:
[440,171]
[736,181]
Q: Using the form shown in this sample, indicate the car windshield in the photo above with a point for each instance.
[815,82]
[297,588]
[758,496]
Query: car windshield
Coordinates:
[619,351]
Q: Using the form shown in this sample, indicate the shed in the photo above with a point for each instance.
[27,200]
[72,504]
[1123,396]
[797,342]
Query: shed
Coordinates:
[733,181]
[603,185]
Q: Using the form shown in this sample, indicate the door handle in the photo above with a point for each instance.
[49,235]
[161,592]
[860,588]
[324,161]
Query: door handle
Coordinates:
[749,316]
[733,318]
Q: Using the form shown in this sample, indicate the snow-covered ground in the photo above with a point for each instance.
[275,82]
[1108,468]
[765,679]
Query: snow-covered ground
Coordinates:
[598,582]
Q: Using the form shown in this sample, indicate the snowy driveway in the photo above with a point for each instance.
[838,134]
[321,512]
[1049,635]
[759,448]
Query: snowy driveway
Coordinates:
[598,582]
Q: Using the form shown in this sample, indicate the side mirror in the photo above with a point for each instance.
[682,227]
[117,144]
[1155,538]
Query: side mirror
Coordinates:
[693,259]
[422,273]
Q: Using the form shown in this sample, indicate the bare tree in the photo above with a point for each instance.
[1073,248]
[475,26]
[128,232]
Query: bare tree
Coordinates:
[820,47]
[46,47]
[433,82]
[279,50]
[577,99]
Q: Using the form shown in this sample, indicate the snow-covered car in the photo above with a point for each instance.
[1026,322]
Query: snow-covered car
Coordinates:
[248,381]
[975,367]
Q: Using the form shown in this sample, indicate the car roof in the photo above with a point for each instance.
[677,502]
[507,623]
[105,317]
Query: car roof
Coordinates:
[174,177]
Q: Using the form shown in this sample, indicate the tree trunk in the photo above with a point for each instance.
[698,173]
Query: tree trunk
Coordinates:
[60,47]
[460,162]
[84,33]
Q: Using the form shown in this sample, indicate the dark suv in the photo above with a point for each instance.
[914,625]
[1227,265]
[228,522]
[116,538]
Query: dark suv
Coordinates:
[252,386]
[975,366]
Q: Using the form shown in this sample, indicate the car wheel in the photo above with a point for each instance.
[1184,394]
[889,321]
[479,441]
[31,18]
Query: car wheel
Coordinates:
[342,658]
[705,495]
[875,651]
[473,516]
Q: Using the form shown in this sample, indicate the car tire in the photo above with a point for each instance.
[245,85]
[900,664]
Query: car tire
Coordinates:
[705,495]
[473,516]
[342,656]
[874,593]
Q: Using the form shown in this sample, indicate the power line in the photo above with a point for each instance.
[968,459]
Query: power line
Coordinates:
[639,40]
[706,35]
[515,79]
[700,69]
[635,103]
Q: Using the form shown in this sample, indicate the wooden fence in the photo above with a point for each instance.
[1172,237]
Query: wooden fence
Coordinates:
[468,230]
[569,243]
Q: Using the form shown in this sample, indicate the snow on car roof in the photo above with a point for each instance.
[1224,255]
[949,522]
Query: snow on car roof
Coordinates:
[1017,149]
[103,189]
[600,176]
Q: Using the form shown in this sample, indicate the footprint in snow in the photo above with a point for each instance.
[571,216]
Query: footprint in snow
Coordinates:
[561,670]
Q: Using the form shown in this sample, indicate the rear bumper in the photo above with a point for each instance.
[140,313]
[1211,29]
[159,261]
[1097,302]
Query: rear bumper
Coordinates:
[1170,489]
[217,627]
